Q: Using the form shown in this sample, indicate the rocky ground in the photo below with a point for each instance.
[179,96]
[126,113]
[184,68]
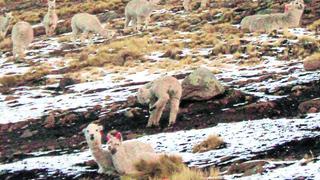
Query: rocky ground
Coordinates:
[268,115]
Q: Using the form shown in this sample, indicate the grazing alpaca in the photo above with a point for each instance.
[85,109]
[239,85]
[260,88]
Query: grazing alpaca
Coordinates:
[126,154]
[22,36]
[50,20]
[187,6]
[157,94]
[102,157]
[4,24]
[87,23]
[268,22]
[137,10]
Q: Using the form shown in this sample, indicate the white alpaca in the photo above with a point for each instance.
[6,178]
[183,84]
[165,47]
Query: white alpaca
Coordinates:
[157,94]
[138,10]
[126,154]
[50,20]
[4,24]
[22,36]
[87,23]
[268,22]
[102,157]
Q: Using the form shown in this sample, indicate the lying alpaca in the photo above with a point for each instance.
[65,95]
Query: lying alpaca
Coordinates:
[22,36]
[87,23]
[126,154]
[268,22]
[50,20]
[102,157]
[4,24]
[157,94]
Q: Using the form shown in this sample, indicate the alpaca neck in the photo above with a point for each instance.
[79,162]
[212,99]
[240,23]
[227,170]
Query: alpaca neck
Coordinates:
[6,21]
[95,148]
[295,16]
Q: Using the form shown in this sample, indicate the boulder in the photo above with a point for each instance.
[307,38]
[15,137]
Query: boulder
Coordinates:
[310,106]
[200,85]
[312,62]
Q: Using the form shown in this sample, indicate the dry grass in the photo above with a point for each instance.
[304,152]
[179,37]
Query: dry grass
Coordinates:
[169,167]
[313,57]
[6,44]
[33,76]
[212,142]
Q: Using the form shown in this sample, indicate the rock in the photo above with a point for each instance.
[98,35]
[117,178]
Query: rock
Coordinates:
[10,98]
[311,106]
[70,118]
[27,133]
[50,122]
[64,82]
[311,64]
[132,101]
[201,84]
[248,168]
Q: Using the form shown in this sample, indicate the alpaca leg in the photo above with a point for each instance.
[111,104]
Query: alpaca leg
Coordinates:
[134,23]
[126,24]
[139,20]
[157,110]
[186,5]
[204,4]
[174,109]
[146,22]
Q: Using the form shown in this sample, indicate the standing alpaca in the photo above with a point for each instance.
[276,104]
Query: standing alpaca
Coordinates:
[138,10]
[87,23]
[50,20]
[4,24]
[157,94]
[22,36]
[102,157]
[126,154]
[268,22]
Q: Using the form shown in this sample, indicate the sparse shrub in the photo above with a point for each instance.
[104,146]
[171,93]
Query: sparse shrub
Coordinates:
[212,142]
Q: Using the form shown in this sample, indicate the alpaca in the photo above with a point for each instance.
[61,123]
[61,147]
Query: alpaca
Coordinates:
[50,20]
[157,94]
[4,24]
[102,157]
[187,6]
[22,36]
[126,154]
[137,10]
[268,22]
[87,23]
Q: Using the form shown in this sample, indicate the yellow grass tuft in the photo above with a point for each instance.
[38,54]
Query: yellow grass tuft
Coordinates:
[170,167]
[212,142]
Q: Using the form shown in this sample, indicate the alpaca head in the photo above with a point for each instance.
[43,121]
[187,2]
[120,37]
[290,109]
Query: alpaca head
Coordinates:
[143,95]
[52,4]
[108,33]
[93,134]
[295,5]
[9,15]
[114,140]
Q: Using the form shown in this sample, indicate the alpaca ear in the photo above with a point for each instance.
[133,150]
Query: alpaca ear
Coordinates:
[100,128]
[108,137]
[83,130]
[118,136]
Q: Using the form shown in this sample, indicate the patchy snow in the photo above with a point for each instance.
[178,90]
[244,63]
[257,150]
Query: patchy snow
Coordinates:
[245,140]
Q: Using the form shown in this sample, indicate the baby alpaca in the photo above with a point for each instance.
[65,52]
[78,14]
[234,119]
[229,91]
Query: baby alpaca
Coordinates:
[187,6]
[87,23]
[268,22]
[157,94]
[50,20]
[103,157]
[138,10]
[126,154]
[4,24]
[22,36]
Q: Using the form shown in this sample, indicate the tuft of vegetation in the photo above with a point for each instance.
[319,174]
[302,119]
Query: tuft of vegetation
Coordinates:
[212,142]
[169,167]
